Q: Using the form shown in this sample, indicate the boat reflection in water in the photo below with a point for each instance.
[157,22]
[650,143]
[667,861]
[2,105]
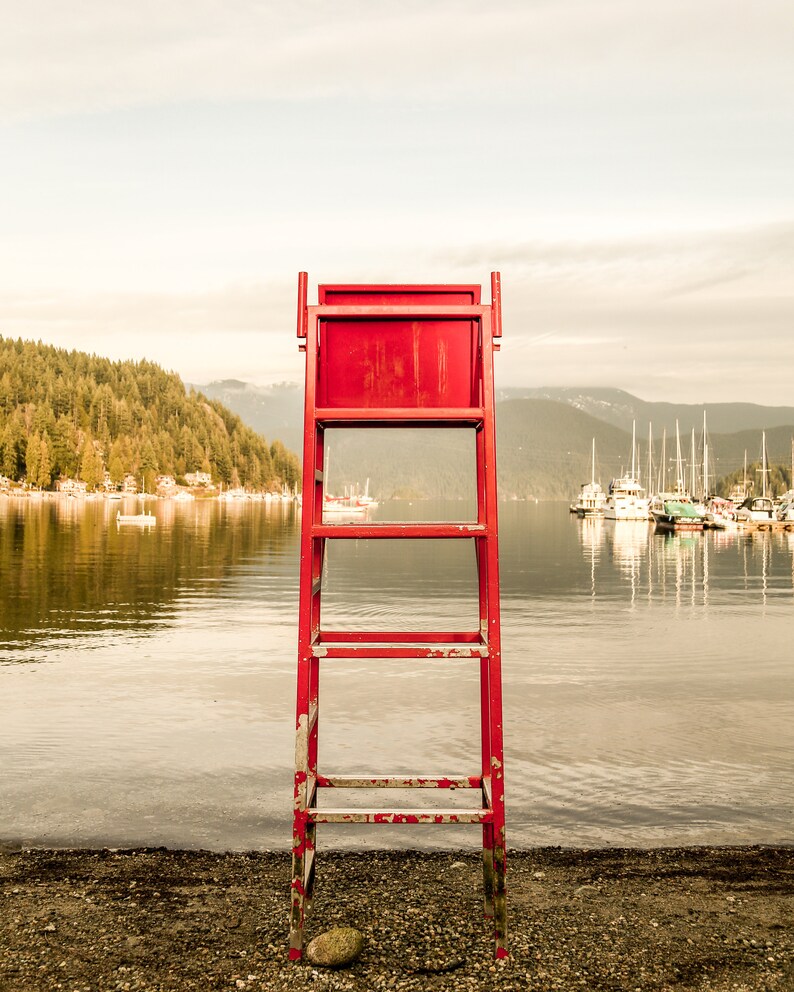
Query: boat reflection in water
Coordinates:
[591,536]
[648,675]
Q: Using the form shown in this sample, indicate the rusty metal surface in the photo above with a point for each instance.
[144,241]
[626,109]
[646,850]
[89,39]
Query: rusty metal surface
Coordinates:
[400,815]
[398,356]
[399,782]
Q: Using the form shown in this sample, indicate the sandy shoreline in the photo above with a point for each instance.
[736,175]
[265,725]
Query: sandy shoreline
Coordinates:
[155,920]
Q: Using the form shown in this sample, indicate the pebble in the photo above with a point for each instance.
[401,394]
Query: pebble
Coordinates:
[336,948]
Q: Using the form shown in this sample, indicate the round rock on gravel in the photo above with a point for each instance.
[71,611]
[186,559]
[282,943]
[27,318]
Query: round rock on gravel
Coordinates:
[336,948]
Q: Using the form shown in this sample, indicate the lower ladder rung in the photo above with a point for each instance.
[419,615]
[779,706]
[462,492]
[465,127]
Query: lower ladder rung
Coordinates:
[399,815]
[399,781]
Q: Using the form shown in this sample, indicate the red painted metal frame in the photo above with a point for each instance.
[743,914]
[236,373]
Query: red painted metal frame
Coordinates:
[399,356]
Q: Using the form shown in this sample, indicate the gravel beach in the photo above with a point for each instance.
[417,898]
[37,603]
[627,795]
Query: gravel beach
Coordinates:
[618,920]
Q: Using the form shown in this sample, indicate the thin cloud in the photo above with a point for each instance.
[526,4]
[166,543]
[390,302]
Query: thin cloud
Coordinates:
[665,266]
[93,55]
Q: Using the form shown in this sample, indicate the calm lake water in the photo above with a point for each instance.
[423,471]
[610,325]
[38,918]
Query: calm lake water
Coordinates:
[147,678]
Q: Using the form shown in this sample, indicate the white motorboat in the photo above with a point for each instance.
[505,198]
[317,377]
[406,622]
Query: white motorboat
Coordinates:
[626,499]
[592,499]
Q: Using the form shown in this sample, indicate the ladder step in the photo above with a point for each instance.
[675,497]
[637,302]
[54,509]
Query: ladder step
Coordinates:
[399,782]
[463,416]
[399,815]
[398,530]
[450,652]
[401,637]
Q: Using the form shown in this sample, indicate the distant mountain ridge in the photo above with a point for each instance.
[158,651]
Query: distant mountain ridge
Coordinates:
[544,440]
[617,407]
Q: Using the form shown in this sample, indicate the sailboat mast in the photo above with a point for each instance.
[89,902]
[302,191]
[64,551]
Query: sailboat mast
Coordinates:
[592,471]
[650,457]
[692,472]
[633,449]
[663,484]
[763,462]
[705,459]
[679,466]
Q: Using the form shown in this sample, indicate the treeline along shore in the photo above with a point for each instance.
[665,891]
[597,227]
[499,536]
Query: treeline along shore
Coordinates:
[67,414]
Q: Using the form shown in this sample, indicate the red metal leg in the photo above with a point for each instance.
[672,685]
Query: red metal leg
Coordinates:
[379,356]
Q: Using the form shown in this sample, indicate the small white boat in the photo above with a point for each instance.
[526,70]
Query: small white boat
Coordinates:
[140,519]
[366,499]
[756,510]
[786,511]
[342,504]
[721,513]
[592,500]
[626,499]
[232,495]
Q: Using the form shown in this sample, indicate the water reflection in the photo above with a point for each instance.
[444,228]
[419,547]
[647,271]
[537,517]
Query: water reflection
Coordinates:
[683,566]
[66,569]
[147,677]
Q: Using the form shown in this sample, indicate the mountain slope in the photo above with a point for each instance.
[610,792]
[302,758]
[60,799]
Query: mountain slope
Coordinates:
[619,408]
[73,414]
[543,444]
[274,410]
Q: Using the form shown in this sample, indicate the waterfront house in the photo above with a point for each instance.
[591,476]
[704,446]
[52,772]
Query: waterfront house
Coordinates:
[198,478]
[72,487]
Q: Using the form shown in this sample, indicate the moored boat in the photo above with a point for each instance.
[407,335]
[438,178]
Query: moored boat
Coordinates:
[720,513]
[626,499]
[140,519]
[673,512]
[756,510]
[592,499]
[343,505]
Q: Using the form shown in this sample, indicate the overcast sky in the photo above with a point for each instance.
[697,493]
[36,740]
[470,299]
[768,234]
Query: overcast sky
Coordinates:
[167,168]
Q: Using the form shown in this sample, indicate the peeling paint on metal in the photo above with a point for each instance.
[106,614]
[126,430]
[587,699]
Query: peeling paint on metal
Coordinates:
[302,742]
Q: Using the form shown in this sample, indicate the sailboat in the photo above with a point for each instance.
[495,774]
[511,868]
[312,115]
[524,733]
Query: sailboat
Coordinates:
[784,505]
[676,510]
[592,499]
[758,509]
[346,504]
[626,499]
[365,499]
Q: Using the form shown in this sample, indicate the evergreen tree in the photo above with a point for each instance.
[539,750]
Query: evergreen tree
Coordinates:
[148,465]
[91,469]
[44,476]
[33,460]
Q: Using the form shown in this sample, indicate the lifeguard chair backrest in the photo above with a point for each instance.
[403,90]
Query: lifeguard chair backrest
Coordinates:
[381,360]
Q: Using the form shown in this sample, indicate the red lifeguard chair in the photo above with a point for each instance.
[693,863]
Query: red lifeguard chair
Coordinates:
[399,356]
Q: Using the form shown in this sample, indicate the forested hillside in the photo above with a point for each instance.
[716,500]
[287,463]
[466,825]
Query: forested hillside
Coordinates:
[67,413]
